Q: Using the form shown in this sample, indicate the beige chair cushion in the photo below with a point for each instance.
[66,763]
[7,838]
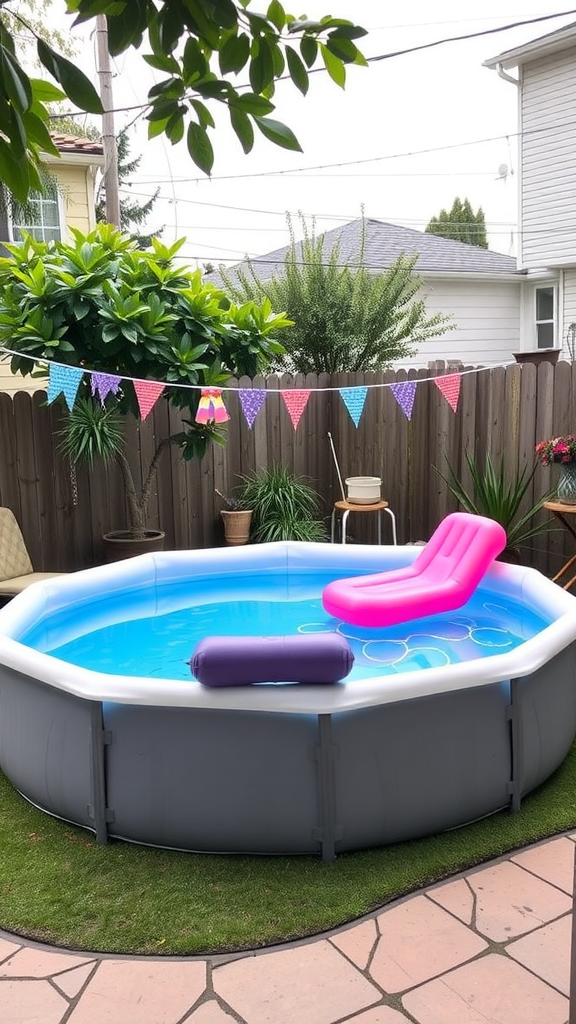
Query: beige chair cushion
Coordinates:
[19,583]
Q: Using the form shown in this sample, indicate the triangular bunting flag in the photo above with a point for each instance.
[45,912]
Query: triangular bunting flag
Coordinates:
[450,388]
[295,401]
[147,392]
[404,395]
[211,407]
[103,384]
[251,400]
[354,399]
[64,380]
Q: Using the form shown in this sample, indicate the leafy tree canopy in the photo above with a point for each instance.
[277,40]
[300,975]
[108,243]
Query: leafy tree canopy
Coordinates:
[198,45]
[461,224]
[346,318]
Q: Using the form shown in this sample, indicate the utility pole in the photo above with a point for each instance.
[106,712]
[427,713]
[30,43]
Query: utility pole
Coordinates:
[108,135]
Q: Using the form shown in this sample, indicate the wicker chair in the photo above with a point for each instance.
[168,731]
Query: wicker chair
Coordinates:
[16,570]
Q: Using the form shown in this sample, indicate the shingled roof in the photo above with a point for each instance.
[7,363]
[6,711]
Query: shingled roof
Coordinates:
[386,242]
[76,144]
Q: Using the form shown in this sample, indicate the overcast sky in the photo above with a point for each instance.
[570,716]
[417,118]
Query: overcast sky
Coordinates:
[406,136]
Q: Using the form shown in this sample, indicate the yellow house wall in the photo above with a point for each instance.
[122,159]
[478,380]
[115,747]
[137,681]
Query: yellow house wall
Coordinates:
[77,211]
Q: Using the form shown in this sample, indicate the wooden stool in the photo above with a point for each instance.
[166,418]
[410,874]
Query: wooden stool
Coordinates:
[346,507]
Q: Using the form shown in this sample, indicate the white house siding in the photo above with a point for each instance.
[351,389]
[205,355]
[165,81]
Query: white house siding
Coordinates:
[568,314]
[486,315]
[548,159]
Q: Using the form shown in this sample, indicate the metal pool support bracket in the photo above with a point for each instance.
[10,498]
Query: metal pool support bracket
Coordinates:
[514,714]
[326,753]
[100,737]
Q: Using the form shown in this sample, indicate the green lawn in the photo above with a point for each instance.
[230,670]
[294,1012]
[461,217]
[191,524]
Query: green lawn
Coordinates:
[57,885]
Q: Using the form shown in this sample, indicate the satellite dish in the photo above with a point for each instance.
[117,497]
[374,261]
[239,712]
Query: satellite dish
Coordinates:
[503,172]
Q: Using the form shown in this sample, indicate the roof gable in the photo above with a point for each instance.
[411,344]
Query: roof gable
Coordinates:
[543,46]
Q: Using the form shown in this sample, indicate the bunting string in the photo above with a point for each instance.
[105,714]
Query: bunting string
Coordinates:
[64,379]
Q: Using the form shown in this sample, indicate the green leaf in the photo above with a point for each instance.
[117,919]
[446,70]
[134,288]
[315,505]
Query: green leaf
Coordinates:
[76,85]
[162,62]
[276,14]
[243,128]
[200,147]
[16,82]
[14,173]
[156,128]
[46,92]
[342,48]
[162,110]
[194,63]
[252,104]
[309,50]
[37,132]
[224,13]
[235,54]
[261,66]
[18,139]
[297,70]
[174,130]
[170,27]
[334,66]
[278,133]
[278,59]
[204,116]
[348,30]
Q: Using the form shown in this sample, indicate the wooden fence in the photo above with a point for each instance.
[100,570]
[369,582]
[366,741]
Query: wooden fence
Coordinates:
[504,411]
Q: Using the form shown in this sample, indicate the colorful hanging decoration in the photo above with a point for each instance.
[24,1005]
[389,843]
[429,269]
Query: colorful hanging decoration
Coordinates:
[449,385]
[147,392]
[295,401]
[251,400]
[103,384]
[354,399]
[404,394]
[64,380]
[211,407]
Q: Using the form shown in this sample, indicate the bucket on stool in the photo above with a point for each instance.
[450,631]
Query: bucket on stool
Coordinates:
[364,490]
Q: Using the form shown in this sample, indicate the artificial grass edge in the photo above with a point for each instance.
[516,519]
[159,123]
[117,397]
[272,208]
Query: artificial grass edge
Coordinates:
[58,886]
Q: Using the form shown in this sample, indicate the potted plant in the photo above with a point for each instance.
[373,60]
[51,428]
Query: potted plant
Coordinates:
[499,498]
[284,506]
[236,518]
[101,304]
[561,450]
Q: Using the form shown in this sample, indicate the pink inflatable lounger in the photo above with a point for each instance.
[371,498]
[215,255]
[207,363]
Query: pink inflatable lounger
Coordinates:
[443,577]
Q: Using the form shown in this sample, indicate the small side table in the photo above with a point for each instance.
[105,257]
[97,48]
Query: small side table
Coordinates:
[560,510]
[344,508]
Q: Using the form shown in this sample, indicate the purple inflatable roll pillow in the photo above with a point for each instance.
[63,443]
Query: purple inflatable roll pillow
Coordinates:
[243,660]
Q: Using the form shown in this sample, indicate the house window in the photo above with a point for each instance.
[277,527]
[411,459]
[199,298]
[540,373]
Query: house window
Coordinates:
[545,317]
[39,217]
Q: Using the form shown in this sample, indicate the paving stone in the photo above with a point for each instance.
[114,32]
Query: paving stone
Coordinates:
[379,1015]
[7,949]
[546,952]
[491,990]
[511,902]
[357,943]
[72,981]
[311,984]
[140,992]
[36,963]
[30,1002]
[418,941]
[552,861]
[210,1013]
[455,897]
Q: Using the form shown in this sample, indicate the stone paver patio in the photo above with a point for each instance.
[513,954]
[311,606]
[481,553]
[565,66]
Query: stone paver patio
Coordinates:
[491,946]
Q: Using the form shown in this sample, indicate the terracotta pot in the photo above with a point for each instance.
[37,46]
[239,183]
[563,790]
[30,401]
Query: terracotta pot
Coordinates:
[119,544]
[237,526]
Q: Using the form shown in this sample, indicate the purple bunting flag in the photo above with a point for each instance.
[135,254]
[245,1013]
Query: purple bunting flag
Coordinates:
[354,399]
[251,400]
[64,380]
[103,384]
[404,395]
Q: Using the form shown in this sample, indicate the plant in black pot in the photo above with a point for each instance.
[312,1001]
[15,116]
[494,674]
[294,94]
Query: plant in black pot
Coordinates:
[102,305]
[284,506]
[498,496]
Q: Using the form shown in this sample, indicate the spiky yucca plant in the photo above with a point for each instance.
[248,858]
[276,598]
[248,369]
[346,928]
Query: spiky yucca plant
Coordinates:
[284,506]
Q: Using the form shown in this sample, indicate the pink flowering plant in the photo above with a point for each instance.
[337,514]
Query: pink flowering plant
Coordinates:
[557,449]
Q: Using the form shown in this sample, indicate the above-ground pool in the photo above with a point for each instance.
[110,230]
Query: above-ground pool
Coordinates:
[441,721]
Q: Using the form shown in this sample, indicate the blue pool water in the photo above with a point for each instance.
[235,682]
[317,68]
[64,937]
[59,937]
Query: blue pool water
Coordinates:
[153,634]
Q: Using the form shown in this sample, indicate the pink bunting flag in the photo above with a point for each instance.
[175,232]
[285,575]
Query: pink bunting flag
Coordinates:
[404,394]
[295,401]
[103,384]
[64,380]
[211,408]
[449,385]
[251,400]
[147,392]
